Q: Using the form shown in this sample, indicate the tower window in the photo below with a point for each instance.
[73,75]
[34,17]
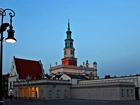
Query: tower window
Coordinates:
[65,52]
[71,52]
[71,44]
[66,45]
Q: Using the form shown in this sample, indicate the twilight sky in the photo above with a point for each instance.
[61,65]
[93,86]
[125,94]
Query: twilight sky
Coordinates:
[105,31]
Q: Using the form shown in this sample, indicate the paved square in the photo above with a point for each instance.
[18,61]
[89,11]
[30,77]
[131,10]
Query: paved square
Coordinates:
[67,102]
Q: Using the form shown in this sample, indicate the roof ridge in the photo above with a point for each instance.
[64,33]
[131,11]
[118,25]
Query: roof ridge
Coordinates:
[27,59]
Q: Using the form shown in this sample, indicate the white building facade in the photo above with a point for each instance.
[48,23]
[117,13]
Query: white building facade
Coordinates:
[82,70]
[42,89]
[132,79]
[61,89]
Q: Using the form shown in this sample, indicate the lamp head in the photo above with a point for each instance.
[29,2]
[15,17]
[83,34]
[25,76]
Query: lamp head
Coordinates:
[10,38]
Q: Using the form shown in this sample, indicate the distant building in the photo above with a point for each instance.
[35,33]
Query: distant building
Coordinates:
[132,79]
[23,68]
[69,62]
[5,82]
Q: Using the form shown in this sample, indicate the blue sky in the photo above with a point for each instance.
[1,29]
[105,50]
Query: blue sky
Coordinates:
[106,31]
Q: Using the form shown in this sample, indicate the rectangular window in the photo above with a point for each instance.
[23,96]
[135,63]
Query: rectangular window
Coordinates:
[127,92]
[10,84]
[13,84]
[65,52]
[122,92]
[131,92]
[71,52]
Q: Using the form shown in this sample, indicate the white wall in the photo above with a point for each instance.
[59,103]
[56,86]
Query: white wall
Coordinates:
[130,95]
[64,92]
[13,75]
[72,69]
[13,70]
[95,93]
[102,92]
[57,91]
[74,81]
[11,79]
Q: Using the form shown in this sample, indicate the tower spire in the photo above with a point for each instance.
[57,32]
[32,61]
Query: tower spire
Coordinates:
[69,58]
[68,24]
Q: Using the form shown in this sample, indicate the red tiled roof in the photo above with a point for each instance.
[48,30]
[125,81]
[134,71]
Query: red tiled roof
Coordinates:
[28,67]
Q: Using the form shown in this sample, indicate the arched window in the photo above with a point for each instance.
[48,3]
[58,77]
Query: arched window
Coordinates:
[50,94]
[58,93]
[65,93]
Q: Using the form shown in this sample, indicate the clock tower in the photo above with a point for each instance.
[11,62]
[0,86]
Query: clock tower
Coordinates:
[69,51]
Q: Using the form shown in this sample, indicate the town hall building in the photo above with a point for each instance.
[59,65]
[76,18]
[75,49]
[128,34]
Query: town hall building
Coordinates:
[69,62]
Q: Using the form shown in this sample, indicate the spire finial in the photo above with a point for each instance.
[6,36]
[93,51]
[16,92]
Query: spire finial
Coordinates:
[68,24]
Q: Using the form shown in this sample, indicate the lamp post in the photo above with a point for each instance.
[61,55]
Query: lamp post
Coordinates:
[9,39]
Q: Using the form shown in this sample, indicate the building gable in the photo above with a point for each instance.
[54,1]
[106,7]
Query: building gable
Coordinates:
[65,77]
[13,70]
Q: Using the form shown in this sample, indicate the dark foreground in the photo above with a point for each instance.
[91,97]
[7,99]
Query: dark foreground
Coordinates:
[67,102]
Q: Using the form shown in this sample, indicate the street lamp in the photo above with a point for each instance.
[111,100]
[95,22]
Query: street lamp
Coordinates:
[9,39]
